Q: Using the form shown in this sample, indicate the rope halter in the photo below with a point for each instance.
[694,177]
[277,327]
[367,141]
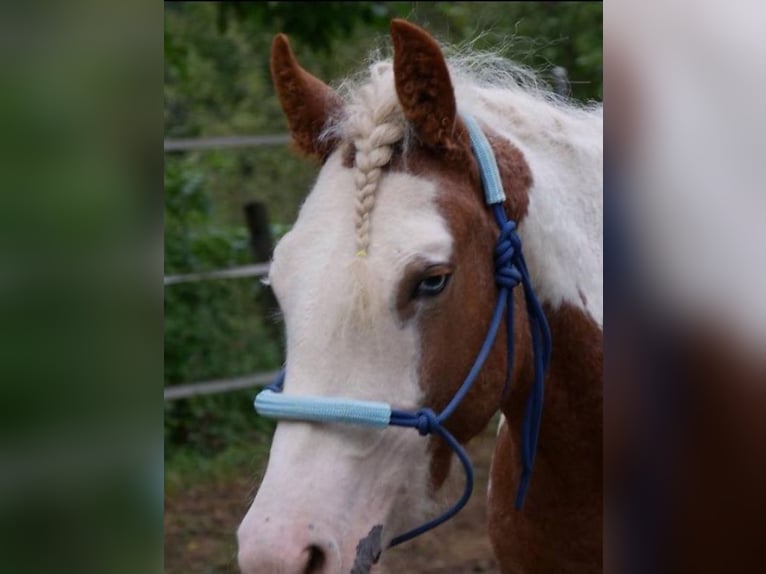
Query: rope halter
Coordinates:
[510,271]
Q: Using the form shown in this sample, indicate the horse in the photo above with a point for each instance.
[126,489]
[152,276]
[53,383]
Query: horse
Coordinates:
[387,287]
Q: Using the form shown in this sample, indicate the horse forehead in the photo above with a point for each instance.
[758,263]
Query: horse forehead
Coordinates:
[406,216]
[405,222]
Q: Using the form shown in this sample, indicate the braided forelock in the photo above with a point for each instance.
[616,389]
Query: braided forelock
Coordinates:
[375,123]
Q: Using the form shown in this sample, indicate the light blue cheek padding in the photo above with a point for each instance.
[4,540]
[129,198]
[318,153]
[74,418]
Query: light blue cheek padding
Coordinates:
[322,409]
[490,176]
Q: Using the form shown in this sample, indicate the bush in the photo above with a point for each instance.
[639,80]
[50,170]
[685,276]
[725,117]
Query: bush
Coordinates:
[213,329]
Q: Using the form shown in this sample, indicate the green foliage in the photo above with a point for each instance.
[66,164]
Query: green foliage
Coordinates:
[209,424]
[327,21]
[213,329]
[246,450]
[217,82]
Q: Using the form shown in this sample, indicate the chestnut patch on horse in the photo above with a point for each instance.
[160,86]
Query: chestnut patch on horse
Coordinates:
[421,71]
[424,90]
[306,101]
[452,327]
[563,512]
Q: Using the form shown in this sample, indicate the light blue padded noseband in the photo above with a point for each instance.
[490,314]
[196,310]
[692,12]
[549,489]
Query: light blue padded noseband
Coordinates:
[510,270]
[273,404]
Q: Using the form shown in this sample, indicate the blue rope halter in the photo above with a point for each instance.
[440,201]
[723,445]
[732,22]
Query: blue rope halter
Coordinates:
[510,270]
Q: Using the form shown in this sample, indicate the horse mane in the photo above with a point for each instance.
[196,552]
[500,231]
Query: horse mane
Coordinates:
[486,84]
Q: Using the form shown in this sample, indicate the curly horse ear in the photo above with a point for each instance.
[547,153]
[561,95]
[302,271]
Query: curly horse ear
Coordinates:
[307,101]
[424,88]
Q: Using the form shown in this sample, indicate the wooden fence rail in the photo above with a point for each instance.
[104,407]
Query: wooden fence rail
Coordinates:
[257,220]
[254,270]
[187,144]
[176,392]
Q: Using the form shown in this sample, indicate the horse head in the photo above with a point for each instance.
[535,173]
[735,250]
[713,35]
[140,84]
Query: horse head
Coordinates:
[387,284]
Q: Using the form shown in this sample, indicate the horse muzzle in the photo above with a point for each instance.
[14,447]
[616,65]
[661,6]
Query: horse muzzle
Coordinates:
[296,549]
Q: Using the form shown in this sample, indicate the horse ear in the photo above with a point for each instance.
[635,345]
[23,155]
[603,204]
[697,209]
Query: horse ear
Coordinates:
[424,87]
[306,101]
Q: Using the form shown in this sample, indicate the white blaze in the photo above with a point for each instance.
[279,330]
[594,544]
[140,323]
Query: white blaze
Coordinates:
[344,479]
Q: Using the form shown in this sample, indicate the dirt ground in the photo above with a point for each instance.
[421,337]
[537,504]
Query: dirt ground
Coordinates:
[201,521]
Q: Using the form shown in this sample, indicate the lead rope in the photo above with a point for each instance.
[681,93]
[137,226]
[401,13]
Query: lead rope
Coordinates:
[510,270]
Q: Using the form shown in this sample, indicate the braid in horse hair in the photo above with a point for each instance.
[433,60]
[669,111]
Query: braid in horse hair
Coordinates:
[374,124]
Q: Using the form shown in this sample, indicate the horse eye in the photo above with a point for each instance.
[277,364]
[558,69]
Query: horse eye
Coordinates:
[432,285]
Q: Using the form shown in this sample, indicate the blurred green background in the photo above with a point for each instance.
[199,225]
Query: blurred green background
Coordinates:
[217,83]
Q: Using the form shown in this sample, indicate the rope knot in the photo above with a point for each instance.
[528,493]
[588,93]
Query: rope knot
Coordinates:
[427,421]
[507,249]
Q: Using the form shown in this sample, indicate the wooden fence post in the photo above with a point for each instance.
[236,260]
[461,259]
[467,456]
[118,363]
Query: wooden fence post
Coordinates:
[561,81]
[261,247]
[257,219]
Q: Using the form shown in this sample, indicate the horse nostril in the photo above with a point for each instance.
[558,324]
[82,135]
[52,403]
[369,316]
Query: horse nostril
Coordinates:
[316,561]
